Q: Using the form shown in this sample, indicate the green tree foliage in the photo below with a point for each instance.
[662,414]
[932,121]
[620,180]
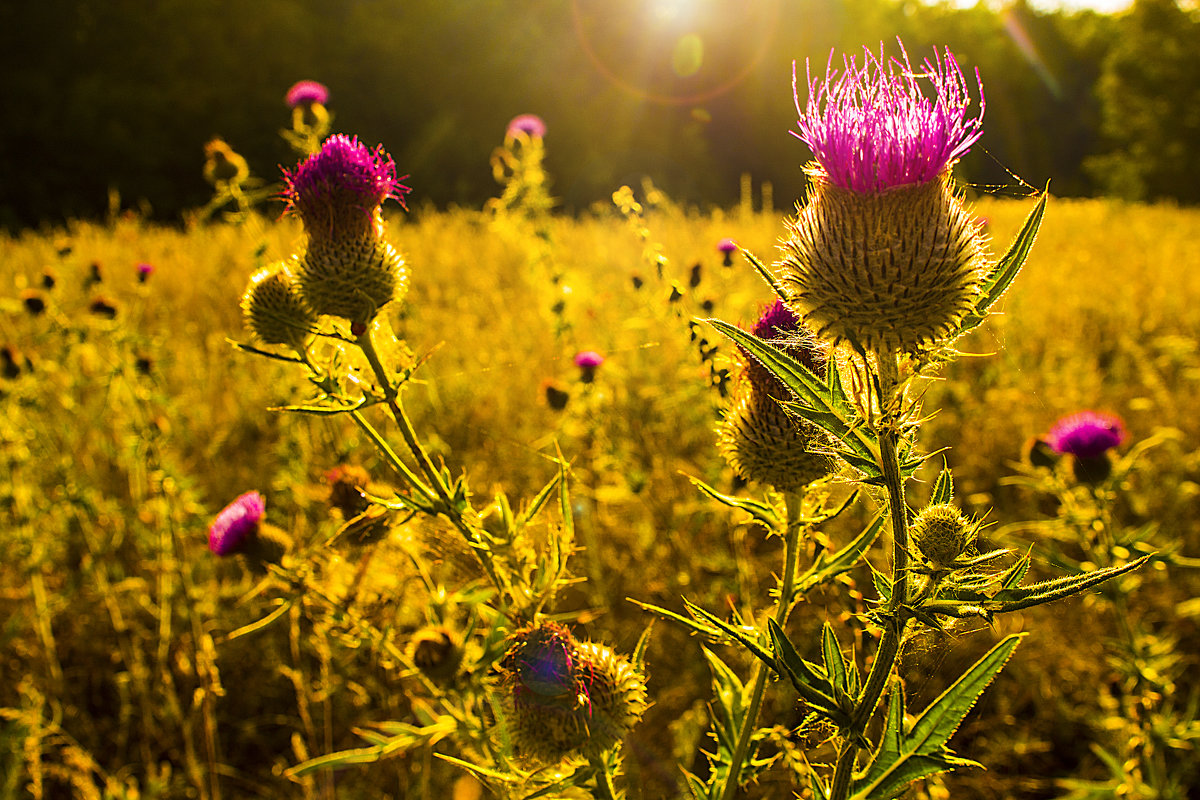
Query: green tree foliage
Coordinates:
[1151,92]
[122,95]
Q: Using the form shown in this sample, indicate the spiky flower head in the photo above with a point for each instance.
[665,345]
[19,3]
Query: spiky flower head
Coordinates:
[307,93]
[588,362]
[758,438]
[437,652]
[1087,434]
[144,271]
[527,124]
[942,534]
[348,269]
[274,310]
[565,698]
[883,254]
[233,528]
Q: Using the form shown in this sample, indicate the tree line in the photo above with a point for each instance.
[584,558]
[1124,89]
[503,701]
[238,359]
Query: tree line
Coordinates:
[117,99]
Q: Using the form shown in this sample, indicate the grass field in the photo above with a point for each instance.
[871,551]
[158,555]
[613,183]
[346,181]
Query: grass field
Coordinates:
[129,421]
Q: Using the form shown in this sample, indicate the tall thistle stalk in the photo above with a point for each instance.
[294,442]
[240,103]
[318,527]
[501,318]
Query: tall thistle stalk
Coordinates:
[882,269]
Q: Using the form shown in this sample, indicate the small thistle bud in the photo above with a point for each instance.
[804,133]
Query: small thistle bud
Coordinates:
[144,271]
[556,397]
[345,484]
[222,166]
[757,436]
[34,301]
[727,247]
[883,254]
[103,307]
[436,652]
[942,534]
[274,310]
[563,698]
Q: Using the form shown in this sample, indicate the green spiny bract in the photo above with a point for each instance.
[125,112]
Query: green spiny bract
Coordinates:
[895,270]
[562,698]
[942,534]
[274,310]
[351,277]
[763,443]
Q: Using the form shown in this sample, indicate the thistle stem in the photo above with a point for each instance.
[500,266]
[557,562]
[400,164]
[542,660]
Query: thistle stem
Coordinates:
[605,788]
[895,621]
[791,548]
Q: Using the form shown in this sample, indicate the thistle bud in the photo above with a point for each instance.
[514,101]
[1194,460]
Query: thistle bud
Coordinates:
[273,309]
[223,166]
[757,436]
[239,529]
[437,652]
[565,698]
[942,534]
[351,278]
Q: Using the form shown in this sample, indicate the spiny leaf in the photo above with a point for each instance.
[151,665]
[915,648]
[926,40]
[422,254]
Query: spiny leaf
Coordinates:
[763,512]
[943,487]
[814,687]
[739,635]
[1047,591]
[906,757]
[765,273]
[835,664]
[843,560]
[705,630]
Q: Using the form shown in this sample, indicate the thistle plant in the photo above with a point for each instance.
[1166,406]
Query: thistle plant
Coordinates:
[311,119]
[486,668]
[1145,726]
[884,268]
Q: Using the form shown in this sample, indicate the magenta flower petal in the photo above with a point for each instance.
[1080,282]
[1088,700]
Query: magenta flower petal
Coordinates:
[343,174]
[726,245]
[529,124]
[588,359]
[1088,434]
[871,128]
[303,92]
[237,522]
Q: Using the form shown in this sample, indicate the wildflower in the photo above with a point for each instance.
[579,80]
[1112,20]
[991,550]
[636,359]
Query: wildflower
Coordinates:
[49,279]
[144,271]
[345,484]
[555,396]
[274,310]
[727,247]
[588,362]
[437,652]
[883,254]
[103,307]
[563,698]
[239,529]
[307,92]
[222,166]
[237,523]
[757,436]
[33,301]
[1087,437]
[694,275]
[527,124]
[348,270]
[10,357]
[95,275]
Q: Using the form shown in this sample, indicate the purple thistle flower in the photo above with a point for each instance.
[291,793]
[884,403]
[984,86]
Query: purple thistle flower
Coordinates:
[1086,435]
[528,124]
[871,129]
[781,325]
[776,321]
[726,245]
[233,528]
[306,93]
[144,271]
[344,174]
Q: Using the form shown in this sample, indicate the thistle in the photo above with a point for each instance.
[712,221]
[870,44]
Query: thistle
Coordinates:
[223,166]
[942,534]
[1087,437]
[883,254]
[274,310]
[757,436]
[348,269]
[239,529]
[307,100]
[564,698]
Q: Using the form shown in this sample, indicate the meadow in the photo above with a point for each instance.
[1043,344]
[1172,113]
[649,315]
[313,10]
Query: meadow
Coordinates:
[129,420]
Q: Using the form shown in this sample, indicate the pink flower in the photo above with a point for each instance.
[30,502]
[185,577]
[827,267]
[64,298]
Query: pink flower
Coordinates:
[871,128]
[237,523]
[344,174]
[1086,435]
[307,92]
[528,124]
[144,271]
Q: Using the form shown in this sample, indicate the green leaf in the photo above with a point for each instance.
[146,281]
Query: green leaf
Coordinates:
[1023,597]
[835,667]
[807,678]
[832,413]
[737,634]
[765,273]
[1006,269]
[943,487]
[763,512]
[906,757]
[705,630]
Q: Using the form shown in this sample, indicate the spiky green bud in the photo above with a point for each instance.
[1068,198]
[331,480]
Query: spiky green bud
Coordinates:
[762,443]
[274,310]
[942,533]
[890,270]
[351,278]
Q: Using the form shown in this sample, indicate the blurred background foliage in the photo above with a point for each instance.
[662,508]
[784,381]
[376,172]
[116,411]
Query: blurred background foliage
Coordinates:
[111,102]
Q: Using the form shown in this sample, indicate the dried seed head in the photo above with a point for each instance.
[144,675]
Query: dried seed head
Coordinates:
[274,310]
[896,270]
[564,698]
[942,534]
